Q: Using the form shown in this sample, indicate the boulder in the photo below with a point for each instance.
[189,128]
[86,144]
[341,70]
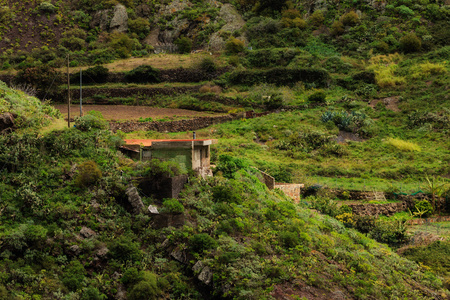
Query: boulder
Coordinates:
[101,18]
[233,21]
[87,232]
[205,274]
[6,121]
[119,21]
[134,199]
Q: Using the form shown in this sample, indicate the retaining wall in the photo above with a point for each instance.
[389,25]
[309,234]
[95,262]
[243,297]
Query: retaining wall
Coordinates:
[291,190]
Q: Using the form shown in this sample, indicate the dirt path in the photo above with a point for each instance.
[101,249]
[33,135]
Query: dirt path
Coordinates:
[126,112]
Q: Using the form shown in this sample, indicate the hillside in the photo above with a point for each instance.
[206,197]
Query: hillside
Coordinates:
[350,98]
[67,232]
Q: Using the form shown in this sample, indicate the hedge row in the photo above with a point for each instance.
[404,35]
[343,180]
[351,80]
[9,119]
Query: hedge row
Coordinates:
[279,76]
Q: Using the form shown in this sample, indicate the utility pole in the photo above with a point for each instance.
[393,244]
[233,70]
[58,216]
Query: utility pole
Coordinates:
[68,93]
[81,95]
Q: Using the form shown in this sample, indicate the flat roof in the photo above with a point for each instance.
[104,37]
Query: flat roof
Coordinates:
[148,143]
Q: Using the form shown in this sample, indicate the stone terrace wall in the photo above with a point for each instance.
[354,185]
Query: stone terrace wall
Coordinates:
[291,190]
[174,126]
[178,126]
[378,209]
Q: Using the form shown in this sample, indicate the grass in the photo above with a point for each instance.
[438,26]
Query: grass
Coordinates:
[403,145]
[57,124]
[439,228]
[159,61]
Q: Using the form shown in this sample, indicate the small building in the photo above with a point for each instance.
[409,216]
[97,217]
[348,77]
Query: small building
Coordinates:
[191,154]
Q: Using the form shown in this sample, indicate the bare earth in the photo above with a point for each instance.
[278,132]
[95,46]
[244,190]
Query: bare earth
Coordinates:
[126,112]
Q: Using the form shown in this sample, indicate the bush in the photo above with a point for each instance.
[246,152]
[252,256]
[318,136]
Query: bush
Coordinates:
[74,275]
[317,97]
[410,43]
[172,206]
[350,18]
[207,65]
[391,232]
[228,165]
[88,122]
[92,293]
[184,44]
[202,241]
[88,174]
[124,249]
[317,18]
[143,74]
[234,45]
[97,74]
[146,288]
[337,28]
[43,78]
[423,208]
[140,26]
[227,193]
[47,8]
[279,76]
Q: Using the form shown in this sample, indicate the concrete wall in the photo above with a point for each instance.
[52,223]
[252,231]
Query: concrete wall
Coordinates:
[161,188]
[291,190]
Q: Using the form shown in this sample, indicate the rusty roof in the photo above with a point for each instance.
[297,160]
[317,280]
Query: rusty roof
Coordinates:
[148,143]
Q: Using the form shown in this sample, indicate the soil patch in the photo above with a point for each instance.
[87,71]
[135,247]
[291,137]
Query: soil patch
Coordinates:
[132,113]
[390,103]
[345,136]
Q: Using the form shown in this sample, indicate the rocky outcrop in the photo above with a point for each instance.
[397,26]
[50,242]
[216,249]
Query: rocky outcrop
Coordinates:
[205,274]
[377,209]
[233,21]
[101,18]
[119,22]
[134,199]
[6,122]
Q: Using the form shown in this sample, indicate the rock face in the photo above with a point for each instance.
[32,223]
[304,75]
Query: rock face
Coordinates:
[101,18]
[6,121]
[205,274]
[119,22]
[134,199]
[233,21]
[87,232]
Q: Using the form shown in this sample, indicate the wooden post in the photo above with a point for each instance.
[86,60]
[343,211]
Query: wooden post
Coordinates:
[68,93]
[81,95]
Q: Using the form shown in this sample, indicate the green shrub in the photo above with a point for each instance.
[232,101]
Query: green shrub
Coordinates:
[317,97]
[143,74]
[391,232]
[92,293]
[207,65]
[350,19]
[289,239]
[337,28]
[43,78]
[316,18]
[279,76]
[184,44]
[47,8]
[227,193]
[130,277]
[97,74]
[88,122]
[423,208]
[74,275]
[410,43]
[146,288]
[124,249]
[140,26]
[271,57]
[234,45]
[202,241]
[88,174]
[172,206]
[228,165]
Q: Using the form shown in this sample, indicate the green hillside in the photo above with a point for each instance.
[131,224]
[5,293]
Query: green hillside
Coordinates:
[353,96]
